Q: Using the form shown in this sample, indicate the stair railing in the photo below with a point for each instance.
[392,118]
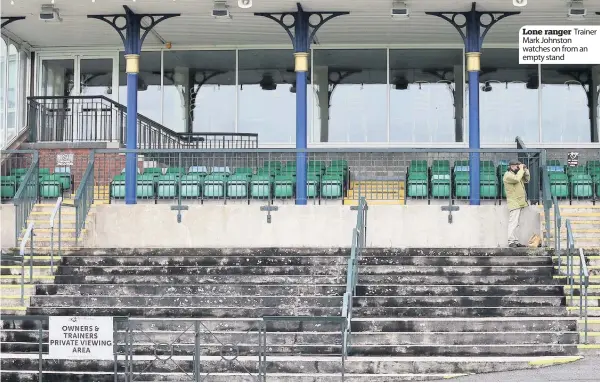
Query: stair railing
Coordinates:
[359,241]
[26,196]
[57,210]
[584,277]
[84,198]
[28,236]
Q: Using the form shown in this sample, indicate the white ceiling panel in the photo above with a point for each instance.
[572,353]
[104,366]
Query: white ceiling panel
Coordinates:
[369,22]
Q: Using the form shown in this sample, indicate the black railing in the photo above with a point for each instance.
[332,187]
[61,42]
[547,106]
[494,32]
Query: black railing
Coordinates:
[100,119]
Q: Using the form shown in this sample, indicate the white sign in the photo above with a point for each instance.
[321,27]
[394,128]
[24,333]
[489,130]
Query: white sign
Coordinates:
[81,338]
[64,159]
[571,45]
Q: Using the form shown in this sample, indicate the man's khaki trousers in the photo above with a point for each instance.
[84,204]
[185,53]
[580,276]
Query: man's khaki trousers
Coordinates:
[513,225]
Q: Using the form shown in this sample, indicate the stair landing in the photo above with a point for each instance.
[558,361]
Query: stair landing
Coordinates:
[376,192]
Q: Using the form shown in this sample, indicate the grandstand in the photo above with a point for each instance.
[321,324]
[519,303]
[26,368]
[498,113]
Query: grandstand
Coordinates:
[242,207]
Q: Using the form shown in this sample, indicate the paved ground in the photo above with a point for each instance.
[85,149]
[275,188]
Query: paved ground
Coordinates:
[584,370]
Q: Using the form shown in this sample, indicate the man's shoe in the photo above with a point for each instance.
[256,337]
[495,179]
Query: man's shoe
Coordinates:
[520,245]
[513,245]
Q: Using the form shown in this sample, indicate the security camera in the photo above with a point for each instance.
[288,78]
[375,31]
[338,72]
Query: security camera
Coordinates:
[519,3]
[245,3]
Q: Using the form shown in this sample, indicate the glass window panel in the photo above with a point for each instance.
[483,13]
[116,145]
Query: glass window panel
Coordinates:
[423,94]
[3,57]
[349,95]
[199,91]
[24,73]
[12,92]
[149,92]
[266,95]
[508,98]
[57,77]
[566,115]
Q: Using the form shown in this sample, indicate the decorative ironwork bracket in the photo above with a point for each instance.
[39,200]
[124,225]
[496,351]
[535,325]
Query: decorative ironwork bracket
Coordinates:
[301,20]
[131,24]
[11,19]
[474,21]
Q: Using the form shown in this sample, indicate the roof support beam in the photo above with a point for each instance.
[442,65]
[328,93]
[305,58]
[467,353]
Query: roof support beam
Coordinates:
[133,32]
[301,27]
[10,19]
[473,26]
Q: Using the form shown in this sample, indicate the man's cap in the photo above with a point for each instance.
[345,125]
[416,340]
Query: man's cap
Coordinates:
[514,163]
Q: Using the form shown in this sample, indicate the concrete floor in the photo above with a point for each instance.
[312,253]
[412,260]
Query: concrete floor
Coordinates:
[584,370]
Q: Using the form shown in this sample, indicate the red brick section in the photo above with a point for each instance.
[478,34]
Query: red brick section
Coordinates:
[106,165]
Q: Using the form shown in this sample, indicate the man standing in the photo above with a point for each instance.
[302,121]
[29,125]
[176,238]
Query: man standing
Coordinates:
[515,179]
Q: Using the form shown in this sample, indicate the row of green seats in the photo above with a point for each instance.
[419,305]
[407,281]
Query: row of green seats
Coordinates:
[579,182]
[266,182]
[51,184]
[440,181]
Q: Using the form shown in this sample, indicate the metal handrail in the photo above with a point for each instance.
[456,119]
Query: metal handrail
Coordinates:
[57,210]
[584,282]
[84,197]
[583,274]
[26,196]
[27,236]
[557,227]
[359,234]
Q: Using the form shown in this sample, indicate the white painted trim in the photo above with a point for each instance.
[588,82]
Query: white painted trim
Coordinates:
[162,87]
[387,94]
[237,90]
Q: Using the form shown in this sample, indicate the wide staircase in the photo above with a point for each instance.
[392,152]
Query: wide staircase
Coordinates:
[417,314]
[376,192]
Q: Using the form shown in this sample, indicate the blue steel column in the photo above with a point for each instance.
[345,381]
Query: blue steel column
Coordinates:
[132,41]
[301,68]
[301,39]
[473,30]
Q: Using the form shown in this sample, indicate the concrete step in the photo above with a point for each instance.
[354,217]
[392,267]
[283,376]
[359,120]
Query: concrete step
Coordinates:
[302,341]
[37,270]
[382,270]
[457,301]
[325,259]
[14,290]
[306,279]
[307,289]
[321,270]
[16,279]
[291,365]
[480,311]
[189,301]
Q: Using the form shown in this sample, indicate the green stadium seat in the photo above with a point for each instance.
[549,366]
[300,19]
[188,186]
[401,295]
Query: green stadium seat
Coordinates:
[339,164]
[581,185]
[290,164]
[317,164]
[191,185]
[246,171]
[145,185]
[572,170]
[260,186]
[272,165]
[117,186]
[559,185]
[284,186]
[65,176]
[418,166]
[592,164]
[177,171]
[154,172]
[488,184]
[50,186]
[332,186]
[440,164]
[312,185]
[459,163]
[18,171]
[417,185]
[462,185]
[8,186]
[553,163]
[441,185]
[237,185]
[44,172]
[268,172]
[167,185]
[214,184]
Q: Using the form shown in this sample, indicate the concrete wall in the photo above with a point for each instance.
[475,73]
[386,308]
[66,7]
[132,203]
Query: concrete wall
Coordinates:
[7,226]
[232,226]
